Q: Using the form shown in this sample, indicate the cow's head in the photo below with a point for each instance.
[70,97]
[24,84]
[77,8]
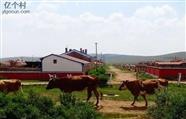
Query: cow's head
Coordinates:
[123,85]
[52,82]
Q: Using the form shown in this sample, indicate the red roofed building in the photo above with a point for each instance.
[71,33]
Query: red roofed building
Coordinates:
[82,54]
[167,69]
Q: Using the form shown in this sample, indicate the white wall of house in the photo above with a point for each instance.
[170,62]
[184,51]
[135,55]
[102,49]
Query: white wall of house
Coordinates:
[62,64]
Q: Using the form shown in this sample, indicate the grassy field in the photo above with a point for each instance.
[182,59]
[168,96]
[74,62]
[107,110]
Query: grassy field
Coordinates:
[123,95]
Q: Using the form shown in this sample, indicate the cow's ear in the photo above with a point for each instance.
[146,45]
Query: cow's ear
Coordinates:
[50,75]
[126,81]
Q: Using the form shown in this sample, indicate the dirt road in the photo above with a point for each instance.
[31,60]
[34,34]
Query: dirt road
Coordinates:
[120,75]
[124,108]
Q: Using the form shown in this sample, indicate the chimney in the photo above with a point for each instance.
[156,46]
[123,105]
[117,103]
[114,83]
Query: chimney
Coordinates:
[81,49]
[66,50]
[85,51]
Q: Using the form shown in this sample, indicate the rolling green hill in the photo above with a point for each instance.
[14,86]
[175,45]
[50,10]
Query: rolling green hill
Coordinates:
[113,58]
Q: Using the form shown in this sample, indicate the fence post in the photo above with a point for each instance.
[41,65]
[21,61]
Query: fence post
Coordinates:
[137,75]
[179,79]
[110,76]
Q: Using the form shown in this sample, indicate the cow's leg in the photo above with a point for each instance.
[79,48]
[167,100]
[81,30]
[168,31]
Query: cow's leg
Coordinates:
[146,104]
[97,96]
[89,93]
[135,97]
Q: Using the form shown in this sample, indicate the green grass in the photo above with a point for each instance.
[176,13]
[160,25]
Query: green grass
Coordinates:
[144,76]
[33,80]
[123,95]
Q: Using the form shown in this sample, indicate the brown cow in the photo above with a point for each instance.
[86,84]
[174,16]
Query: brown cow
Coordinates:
[162,83]
[75,83]
[10,85]
[138,87]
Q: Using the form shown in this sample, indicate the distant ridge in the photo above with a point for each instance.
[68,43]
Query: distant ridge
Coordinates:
[21,58]
[129,59]
[119,59]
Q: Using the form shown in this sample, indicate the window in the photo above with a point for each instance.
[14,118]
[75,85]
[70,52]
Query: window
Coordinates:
[55,61]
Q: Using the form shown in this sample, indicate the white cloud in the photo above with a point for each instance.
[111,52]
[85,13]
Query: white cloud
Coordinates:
[151,12]
[149,31]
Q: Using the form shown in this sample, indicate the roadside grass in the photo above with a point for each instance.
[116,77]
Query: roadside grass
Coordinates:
[33,80]
[124,95]
[144,76]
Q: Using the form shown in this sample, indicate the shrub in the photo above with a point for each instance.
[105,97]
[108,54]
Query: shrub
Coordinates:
[34,106]
[76,109]
[67,100]
[44,104]
[103,80]
[100,73]
[169,107]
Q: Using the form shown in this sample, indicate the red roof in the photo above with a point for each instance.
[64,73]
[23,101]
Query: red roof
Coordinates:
[170,63]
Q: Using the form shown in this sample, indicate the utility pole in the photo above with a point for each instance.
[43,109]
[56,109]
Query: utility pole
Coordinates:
[96,44]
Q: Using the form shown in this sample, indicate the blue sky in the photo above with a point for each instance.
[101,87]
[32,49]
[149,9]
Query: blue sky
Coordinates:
[135,28]
[105,8]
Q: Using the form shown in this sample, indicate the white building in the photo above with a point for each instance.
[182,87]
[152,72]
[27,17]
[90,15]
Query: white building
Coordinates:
[62,63]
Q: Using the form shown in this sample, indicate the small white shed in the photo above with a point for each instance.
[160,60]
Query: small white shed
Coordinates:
[62,63]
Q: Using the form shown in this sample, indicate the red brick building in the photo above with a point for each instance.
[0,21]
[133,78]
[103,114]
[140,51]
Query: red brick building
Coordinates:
[168,70]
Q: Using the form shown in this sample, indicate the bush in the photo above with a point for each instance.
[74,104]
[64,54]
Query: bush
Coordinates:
[100,73]
[169,107]
[76,109]
[67,100]
[103,79]
[34,106]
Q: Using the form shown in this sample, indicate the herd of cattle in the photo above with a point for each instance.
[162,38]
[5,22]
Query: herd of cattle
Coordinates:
[77,83]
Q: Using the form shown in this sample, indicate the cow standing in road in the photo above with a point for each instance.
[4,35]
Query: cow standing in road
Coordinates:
[140,88]
[75,83]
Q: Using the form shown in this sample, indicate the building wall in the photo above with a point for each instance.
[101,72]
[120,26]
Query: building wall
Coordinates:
[172,73]
[25,75]
[153,70]
[168,73]
[63,65]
